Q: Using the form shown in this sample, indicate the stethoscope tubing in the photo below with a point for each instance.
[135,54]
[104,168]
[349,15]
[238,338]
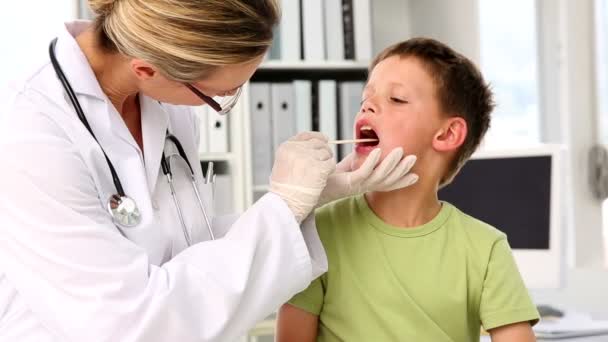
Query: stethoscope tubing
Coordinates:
[72,95]
[165,165]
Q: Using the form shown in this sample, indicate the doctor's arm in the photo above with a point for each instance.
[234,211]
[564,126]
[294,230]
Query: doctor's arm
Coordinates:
[85,282]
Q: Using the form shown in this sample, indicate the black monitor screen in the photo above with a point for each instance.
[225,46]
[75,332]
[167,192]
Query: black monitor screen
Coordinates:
[511,194]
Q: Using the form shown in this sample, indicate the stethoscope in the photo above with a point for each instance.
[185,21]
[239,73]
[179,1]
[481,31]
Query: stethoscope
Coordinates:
[122,208]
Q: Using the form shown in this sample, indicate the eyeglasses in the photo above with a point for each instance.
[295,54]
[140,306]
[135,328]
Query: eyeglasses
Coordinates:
[221,104]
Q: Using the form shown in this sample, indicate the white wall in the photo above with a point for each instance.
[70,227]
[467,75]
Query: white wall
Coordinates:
[455,23]
[567,56]
[26,28]
[579,130]
[395,12]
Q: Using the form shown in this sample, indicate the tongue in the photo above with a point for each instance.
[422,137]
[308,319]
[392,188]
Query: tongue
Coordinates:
[369,134]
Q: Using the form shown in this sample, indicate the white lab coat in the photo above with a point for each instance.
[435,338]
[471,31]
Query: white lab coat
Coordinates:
[66,272]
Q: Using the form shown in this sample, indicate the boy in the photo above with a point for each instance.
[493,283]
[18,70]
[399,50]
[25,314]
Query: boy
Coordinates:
[404,266]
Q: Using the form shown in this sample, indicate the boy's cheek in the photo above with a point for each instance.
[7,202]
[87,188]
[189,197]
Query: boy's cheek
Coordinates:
[389,144]
[406,140]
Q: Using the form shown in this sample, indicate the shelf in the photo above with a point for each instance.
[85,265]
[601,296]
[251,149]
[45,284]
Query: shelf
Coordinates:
[264,328]
[307,65]
[207,156]
[281,71]
[261,188]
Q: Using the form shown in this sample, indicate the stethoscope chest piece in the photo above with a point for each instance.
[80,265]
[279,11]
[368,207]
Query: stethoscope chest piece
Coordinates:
[121,207]
[124,210]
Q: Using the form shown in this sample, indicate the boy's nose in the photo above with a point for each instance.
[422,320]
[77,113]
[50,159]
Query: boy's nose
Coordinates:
[368,106]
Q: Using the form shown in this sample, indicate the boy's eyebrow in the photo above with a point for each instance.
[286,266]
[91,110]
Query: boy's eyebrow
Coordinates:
[397,84]
[394,84]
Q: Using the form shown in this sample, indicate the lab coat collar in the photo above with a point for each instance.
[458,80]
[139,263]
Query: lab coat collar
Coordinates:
[110,126]
[74,63]
[77,70]
[154,124]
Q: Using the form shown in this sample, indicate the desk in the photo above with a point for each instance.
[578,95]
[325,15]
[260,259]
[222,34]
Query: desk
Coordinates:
[603,338]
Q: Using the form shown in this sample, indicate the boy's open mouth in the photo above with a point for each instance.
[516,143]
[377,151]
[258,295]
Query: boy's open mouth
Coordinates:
[366,132]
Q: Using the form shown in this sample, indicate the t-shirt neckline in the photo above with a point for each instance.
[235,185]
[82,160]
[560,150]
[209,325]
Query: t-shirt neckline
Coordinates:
[410,232]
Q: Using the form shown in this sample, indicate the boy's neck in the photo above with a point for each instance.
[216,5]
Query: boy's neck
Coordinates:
[409,207]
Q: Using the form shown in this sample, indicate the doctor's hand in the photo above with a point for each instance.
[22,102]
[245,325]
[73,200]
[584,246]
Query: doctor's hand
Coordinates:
[300,171]
[392,173]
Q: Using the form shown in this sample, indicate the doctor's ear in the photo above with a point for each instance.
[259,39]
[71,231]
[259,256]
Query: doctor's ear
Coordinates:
[451,135]
[143,70]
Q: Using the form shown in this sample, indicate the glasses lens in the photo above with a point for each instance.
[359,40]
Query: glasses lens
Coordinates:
[228,102]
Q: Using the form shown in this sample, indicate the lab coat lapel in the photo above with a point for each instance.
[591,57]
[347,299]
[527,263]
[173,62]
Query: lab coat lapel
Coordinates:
[154,123]
[74,63]
[84,82]
[107,124]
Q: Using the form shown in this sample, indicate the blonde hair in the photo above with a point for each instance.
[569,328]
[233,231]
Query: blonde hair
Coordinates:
[187,39]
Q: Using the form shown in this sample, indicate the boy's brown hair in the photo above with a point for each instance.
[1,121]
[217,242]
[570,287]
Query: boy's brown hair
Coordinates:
[460,90]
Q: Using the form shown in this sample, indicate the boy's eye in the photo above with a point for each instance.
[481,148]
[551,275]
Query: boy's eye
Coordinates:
[398,100]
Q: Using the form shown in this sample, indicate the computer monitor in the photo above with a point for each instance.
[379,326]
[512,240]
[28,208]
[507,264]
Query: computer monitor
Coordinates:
[517,191]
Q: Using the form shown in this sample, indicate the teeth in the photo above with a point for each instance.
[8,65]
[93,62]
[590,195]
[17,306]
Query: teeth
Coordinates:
[366,128]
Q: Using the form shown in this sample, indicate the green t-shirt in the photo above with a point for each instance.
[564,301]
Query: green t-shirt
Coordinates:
[437,282]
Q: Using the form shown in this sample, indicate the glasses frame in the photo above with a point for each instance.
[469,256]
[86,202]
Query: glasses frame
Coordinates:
[211,102]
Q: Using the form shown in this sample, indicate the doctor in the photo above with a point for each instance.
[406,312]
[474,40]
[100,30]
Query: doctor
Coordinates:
[95,243]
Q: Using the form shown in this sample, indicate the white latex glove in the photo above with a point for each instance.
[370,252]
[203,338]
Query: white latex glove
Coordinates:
[391,174]
[299,174]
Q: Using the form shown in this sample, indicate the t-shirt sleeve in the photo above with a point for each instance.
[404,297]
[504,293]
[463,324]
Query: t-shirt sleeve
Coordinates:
[505,299]
[311,299]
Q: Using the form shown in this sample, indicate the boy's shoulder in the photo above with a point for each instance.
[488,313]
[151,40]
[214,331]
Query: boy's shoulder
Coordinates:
[340,217]
[341,206]
[340,211]
[346,215]
[479,231]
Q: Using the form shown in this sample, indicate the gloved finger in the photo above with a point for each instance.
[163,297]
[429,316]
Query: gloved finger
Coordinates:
[316,144]
[408,180]
[329,166]
[409,161]
[304,136]
[345,165]
[366,169]
[386,166]
[322,154]
[400,170]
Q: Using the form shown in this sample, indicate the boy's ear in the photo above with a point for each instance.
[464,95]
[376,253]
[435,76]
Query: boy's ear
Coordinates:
[451,135]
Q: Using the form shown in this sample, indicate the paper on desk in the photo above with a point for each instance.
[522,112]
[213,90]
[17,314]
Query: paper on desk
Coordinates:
[573,324]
